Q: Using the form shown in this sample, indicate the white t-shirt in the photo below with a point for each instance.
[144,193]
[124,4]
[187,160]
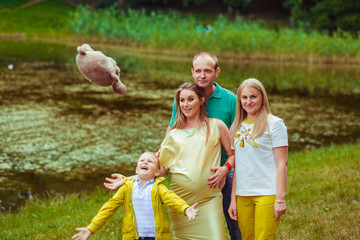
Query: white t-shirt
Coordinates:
[254,158]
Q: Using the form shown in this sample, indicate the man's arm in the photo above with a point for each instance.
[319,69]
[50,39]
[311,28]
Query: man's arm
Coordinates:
[173,115]
[233,108]
[218,178]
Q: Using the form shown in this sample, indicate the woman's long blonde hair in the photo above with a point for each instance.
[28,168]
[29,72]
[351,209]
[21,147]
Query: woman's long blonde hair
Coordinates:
[261,122]
[180,119]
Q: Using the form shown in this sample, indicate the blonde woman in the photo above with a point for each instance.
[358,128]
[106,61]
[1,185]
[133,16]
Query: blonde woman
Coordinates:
[261,155]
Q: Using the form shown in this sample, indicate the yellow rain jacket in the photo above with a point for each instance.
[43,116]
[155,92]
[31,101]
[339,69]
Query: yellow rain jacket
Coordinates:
[160,195]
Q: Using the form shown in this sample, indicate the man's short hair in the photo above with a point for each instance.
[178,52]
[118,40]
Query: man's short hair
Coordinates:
[209,54]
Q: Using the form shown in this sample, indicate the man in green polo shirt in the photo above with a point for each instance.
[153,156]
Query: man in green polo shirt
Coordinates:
[220,104]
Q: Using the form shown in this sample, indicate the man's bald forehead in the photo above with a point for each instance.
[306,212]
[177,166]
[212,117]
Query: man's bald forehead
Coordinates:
[207,55]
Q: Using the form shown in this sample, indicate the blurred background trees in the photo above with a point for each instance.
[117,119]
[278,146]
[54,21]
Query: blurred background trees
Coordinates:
[330,15]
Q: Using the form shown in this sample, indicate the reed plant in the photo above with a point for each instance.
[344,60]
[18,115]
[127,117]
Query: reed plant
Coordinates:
[184,33]
[172,30]
[322,200]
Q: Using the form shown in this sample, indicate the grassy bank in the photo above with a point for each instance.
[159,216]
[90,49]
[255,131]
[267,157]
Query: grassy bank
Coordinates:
[48,18]
[235,38]
[172,31]
[322,198]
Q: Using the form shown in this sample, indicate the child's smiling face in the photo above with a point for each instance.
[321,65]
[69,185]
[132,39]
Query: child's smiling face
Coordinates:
[147,167]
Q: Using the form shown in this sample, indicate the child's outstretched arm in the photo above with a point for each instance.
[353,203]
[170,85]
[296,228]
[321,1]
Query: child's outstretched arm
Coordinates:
[83,234]
[191,212]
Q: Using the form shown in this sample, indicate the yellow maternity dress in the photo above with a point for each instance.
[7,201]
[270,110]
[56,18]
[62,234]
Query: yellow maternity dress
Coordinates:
[189,159]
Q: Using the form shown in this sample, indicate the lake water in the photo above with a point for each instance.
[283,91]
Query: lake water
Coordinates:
[60,133]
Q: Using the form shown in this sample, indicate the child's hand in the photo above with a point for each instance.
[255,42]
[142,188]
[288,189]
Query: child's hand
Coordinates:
[83,234]
[114,183]
[191,212]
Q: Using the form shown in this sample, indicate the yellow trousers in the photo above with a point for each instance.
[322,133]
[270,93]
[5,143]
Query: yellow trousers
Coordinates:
[256,217]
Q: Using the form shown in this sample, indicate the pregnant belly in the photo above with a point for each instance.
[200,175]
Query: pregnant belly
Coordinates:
[193,189]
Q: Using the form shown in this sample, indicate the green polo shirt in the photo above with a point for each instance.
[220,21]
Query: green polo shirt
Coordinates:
[221,105]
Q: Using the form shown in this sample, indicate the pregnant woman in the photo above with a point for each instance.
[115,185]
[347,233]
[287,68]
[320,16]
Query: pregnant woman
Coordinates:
[189,151]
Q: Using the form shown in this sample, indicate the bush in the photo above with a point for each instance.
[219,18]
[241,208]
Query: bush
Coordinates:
[330,15]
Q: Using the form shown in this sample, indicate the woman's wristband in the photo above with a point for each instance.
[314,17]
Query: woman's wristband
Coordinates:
[228,165]
[279,201]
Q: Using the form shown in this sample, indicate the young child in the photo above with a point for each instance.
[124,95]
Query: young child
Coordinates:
[143,215]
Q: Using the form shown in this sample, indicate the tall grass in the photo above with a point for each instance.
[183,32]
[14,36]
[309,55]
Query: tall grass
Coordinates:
[322,199]
[47,18]
[178,32]
[185,33]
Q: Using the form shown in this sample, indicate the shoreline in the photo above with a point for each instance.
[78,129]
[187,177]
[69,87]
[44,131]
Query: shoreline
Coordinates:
[173,53]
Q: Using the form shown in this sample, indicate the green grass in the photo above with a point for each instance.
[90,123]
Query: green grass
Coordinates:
[57,217]
[48,18]
[171,30]
[323,194]
[322,199]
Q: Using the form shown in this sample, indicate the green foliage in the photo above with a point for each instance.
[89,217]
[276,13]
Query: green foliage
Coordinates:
[186,33]
[183,33]
[329,15]
[238,3]
[184,4]
[46,18]
[12,3]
